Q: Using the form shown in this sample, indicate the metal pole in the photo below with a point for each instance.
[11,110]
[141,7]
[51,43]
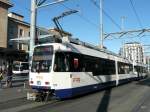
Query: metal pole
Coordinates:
[122,23]
[34,8]
[32,27]
[148,62]
[101,23]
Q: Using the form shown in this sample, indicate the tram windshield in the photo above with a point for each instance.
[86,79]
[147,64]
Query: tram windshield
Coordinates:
[42,59]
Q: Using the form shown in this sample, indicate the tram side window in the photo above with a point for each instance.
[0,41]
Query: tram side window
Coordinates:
[108,67]
[130,68]
[124,68]
[67,62]
[139,69]
[61,62]
[120,68]
[136,69]
[145,70]
[76,64]
[111,65]
[98,66]
[89,64]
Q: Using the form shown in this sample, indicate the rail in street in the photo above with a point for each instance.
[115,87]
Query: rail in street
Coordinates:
[131,97]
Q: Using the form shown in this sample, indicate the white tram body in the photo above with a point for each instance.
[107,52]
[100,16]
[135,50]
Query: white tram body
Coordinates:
[70,69]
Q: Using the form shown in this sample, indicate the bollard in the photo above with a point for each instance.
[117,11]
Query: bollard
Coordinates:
[24,85]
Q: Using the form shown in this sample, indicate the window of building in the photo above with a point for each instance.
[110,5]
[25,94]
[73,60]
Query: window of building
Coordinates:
[11,30]
[21,32]
[29,33]
[20,46]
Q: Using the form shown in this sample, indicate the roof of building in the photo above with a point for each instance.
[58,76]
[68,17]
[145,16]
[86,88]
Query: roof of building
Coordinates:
[18,21]
[26,23]
[6,2]
[132,43]
[16,14]
[41,28]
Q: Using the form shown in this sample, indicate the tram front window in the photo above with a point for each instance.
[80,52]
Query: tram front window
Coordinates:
[42,59]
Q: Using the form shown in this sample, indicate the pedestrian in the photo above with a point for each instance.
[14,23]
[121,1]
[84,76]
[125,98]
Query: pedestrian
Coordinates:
[9,76]
[1,78]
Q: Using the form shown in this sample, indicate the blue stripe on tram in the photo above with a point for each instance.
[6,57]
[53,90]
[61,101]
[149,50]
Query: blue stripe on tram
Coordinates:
[71,92]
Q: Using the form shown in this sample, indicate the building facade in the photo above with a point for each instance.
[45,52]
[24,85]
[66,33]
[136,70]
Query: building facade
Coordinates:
[133,51]
[17,29]
[147,62]
[4,6]
[13,26]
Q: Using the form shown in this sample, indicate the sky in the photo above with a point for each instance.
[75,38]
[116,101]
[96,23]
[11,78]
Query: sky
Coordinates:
[85,24]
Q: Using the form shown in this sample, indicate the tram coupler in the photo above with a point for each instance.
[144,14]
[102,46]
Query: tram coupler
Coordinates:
[39,96]
[32,95]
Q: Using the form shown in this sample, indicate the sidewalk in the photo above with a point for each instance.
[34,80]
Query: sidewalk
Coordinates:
[16,79]
[12,94]
[16,91]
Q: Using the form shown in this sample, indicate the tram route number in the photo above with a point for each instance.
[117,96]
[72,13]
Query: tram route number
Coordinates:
[39,77]
[76,80]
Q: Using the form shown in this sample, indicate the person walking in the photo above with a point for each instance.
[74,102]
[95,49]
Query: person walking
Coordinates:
[1,78]
[9,76]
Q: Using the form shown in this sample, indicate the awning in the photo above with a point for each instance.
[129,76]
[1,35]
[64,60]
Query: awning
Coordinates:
[14,53]
[22,40]
[26,40]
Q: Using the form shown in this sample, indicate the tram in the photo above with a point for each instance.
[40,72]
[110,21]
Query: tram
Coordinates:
[70,68]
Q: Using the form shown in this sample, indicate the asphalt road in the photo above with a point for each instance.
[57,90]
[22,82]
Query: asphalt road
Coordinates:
[131,97]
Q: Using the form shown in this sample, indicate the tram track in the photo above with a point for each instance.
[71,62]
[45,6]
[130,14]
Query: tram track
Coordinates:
[22,104]
[13,103]
[80,102]
[75,103]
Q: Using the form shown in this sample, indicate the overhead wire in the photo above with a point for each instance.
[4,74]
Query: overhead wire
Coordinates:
[106,14]
[136,14]
[82,17]
[112,20]
[24,7]
[40,2]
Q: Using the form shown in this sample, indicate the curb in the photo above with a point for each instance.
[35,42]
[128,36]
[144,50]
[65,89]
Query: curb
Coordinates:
[16,80]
